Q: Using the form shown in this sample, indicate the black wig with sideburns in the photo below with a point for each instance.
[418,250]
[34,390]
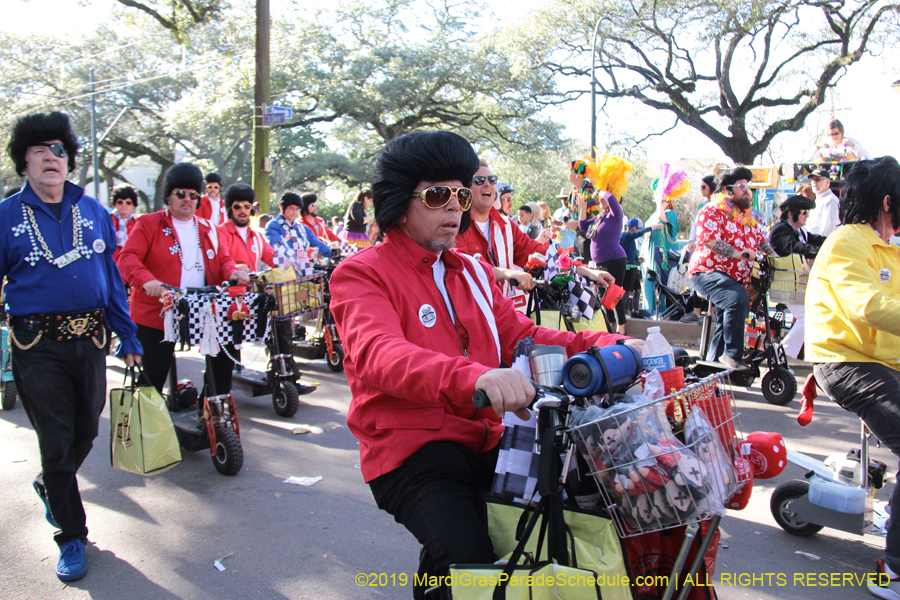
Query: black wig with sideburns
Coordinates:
[38,128]
[867,184]
[407,160]
[238,192]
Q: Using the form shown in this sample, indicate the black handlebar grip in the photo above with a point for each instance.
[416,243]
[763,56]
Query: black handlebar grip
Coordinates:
[480,399]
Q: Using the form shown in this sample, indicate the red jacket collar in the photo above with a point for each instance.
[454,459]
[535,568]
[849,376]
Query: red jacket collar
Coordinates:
[203,225]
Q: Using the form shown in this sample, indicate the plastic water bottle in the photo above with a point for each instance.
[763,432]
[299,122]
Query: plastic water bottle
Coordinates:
[657,352]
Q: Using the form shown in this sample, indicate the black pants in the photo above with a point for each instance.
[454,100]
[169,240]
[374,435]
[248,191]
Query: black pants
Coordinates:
[872,392]
[62,386]
[616,268]
[284,332]
[438,495]
[158,356]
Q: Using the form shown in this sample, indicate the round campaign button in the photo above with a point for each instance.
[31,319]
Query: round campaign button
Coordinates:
[427,315]
[99,246]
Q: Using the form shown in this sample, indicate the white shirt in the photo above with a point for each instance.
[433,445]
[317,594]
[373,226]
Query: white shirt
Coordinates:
[825,217]
[216,215]
[243,232]
[438,270]
[186,232]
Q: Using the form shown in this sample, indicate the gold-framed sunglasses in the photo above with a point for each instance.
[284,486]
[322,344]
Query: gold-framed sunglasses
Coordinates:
[438,196]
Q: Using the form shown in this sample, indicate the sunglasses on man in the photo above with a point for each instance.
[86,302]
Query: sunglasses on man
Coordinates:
[56,149]
[241,206]
[182,194]
[438,196]
[804,212]
[480,179]
[123,201]
[741,186]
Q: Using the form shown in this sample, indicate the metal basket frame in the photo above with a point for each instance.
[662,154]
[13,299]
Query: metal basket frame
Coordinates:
[788,286]
[291,288]
[714,395]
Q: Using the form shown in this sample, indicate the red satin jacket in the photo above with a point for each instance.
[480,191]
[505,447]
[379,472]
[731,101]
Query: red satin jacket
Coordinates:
[411,380]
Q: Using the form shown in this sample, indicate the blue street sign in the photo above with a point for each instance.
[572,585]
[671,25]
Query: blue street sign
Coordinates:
[287,112]
[274,119]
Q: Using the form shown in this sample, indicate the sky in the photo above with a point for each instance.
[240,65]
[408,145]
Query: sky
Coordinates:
[863,100]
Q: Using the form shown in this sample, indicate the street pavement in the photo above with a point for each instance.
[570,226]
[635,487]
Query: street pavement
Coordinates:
[158,537]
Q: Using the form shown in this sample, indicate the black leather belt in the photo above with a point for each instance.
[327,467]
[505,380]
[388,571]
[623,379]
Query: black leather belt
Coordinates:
[62,327]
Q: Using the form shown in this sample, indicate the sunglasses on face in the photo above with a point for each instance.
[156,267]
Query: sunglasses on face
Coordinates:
[480,179]
[241,206]
[120,201]
[182,194]
[212,186]
[835,134]
[56,149]
[804,212]
[741,186]
[438,196]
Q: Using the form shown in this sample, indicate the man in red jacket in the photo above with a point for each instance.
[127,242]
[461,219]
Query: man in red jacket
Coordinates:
[310,215]
[424,327]
[248,248]
[212,208]
[174,247]
[124,201]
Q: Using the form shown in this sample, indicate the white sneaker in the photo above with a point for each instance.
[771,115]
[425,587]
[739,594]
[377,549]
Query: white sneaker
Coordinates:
[883,585]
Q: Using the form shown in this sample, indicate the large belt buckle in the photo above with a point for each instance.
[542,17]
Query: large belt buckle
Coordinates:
[78,326]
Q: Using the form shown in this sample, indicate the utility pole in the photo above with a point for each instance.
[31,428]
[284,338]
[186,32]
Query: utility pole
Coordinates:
[94,140]
[594,90]
[261,99]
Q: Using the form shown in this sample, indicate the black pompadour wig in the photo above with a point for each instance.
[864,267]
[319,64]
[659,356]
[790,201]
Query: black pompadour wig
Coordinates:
[732,176]
[867,184]
[38,128]
[407,160]
[238,192]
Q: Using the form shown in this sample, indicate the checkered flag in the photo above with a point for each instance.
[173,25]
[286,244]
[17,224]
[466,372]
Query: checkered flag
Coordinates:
[196,306]
[551,270]
[347,248]
[516,473]
[586,301]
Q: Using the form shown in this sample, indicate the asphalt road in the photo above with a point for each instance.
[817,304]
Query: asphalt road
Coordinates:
[158,537]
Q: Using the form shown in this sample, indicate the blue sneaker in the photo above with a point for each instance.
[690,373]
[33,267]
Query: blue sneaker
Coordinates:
[43,498]
[71,565]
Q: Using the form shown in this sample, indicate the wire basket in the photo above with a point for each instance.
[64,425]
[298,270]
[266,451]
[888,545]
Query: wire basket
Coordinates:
[788,286]
[303,296]
[651,480]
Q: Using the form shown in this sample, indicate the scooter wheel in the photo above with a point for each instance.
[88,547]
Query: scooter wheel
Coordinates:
[779,387]
[780,506]
[336,360]
[10,394]
[285,398]
[229,456]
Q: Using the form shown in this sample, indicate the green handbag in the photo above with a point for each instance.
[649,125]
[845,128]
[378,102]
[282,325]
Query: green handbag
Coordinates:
[142,437]
[597,568]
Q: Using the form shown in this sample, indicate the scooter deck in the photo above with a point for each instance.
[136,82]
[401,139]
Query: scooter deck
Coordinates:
[190,430]
[257,380]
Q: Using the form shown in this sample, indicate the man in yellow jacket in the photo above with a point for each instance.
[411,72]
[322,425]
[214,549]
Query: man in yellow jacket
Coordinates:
[853,308]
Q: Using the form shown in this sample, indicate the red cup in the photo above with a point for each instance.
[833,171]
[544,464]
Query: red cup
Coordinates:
[717,407]
[612,296]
